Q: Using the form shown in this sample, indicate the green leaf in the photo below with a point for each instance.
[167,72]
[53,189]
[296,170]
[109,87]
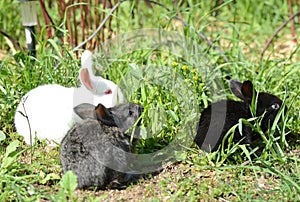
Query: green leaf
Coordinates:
[69,181]
[143,132]
[11,148]
[135,70]
[173,115]
[101,198]
[6,162]
[50,176]
[204,99]
[61,196]
[55,46]
[245,150]
[143,93]
[3,90]
[2,135]
[240,126]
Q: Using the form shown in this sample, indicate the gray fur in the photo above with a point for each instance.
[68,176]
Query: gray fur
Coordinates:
[95,150]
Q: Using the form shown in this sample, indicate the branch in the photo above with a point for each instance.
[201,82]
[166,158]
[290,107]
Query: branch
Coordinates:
[29,127]
[277,31]
[293,23]
[99,27]
[147,1]
[14,42]
[48,20]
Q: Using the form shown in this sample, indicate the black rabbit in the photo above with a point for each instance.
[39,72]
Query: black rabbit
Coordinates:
[96,149]
[219,117]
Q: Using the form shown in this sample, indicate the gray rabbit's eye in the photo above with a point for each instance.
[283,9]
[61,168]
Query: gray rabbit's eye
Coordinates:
[131,113]
[275,106]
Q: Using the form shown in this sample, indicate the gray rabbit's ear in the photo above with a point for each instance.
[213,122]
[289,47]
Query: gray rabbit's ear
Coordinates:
[243,91]
[105,115]
[85,111]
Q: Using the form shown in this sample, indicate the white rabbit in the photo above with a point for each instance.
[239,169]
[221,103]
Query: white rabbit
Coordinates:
[47,111]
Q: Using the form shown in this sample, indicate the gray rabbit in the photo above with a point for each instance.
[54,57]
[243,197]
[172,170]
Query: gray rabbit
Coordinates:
[95,150]
[219,117]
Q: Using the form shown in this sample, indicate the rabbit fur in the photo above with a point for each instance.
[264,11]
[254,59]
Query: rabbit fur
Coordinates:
[219,117]
[46,112]
[95,150]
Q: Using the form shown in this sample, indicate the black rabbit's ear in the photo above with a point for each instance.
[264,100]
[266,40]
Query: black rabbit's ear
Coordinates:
[85,111]
[243,91]
[247,90]
[236,88]
[104,115]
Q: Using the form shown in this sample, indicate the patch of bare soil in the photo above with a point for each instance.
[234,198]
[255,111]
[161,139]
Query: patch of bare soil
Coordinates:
[2,54]
[159,187]
[283,47]
[180,178]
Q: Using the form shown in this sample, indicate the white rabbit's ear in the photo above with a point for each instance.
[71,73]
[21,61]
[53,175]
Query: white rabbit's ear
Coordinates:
[85,73]
[85,111]
[86,79]
[104,115]
[87,59]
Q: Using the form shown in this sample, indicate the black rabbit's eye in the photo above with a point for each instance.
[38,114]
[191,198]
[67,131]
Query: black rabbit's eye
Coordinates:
[275,106]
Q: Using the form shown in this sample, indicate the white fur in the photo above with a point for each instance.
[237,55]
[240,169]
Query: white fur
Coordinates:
[49,108]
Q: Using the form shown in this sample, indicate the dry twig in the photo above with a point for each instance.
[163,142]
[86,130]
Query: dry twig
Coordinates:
[277,31]
[13,41]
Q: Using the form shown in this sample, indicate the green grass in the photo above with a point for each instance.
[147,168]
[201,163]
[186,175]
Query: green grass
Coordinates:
[240,30]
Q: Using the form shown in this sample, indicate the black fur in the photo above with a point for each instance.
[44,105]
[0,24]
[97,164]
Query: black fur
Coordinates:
[219,117]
